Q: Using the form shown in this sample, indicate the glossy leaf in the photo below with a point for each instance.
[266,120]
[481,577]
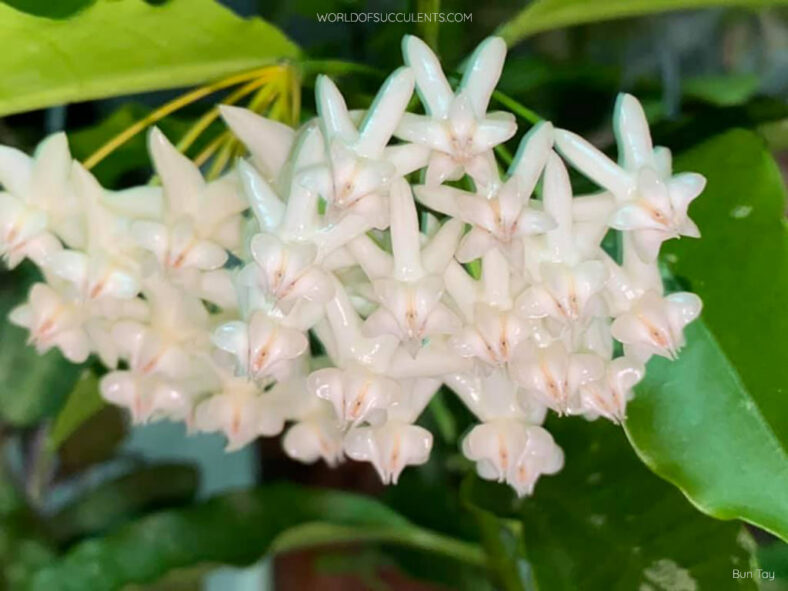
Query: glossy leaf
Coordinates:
[606,523]
[145,489]
[544,15]
[237,529]
[32,386]
[715,422]
[115,48]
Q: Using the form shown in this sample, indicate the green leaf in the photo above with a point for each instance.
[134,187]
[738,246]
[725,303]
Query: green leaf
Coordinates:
[237,529]
[23,543]
[82,403]
[723,90]
[606,523]
[773,558]
[715,422]
[145,489]
[544,15]
[32,386]
[115,48]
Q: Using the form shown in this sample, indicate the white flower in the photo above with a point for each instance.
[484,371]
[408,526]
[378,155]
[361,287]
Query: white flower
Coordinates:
[608,397]
[355,394]
[316,433]
[411,307]
[241,411]
[269,142]
[496,396]
[37,205]
[411,311]
[492,338]
[166,342]
[201,220]
[514,452]
[502,215]
[554,375]
[287,273]
[262,347]
[315,437]
[652,204]
[389,447]
[457,128]
[655,324]
[565,292]
[53,321]
[107,268]
[146,396]
[360,166]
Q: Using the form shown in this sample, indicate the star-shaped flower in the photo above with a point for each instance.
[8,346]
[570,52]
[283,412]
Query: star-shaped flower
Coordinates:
[263,348]
[565,293]
[457,127]
[410,295]
[357,395]
[554,375]
[286,272]
[37,206]
[389,447]
[651,203]
[492,338]
[107,267]
[201,220]
[655,324]
[147,396]
[512,451]
[54,320]
[608,396]
[166,342]
[361,165]
[240,409]
[502,215]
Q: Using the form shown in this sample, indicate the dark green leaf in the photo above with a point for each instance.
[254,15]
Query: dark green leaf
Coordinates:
[48,9]
[237,529]
[715,422]
[133,494]
[23,543]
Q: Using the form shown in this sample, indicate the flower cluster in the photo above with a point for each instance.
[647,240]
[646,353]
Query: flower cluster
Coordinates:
[201,297]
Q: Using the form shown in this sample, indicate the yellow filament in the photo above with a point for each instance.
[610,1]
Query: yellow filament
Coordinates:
[203,122]
[264,74]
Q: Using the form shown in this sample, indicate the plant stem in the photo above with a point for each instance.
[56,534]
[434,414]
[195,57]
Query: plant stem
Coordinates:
[320,533]
[517,108]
